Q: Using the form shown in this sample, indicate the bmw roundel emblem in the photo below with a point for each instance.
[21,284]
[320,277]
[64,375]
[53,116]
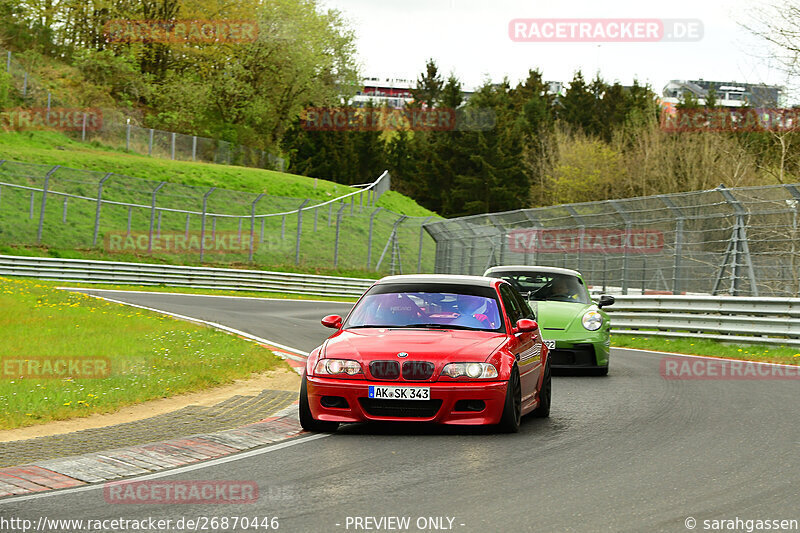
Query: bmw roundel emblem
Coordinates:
[402,354]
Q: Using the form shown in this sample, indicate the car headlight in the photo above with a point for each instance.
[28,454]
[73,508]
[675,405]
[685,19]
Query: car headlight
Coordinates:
[332,367]
[592,320]
[470,370]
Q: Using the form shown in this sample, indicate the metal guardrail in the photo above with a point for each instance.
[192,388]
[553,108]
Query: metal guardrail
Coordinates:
[723,318]
[89,271]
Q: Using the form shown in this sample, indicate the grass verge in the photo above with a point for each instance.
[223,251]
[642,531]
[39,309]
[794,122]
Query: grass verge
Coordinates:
[192,290]
[147,355]
[712,348]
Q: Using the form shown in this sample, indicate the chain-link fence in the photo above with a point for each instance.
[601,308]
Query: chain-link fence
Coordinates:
[133,218]
[742,241]
[109,127]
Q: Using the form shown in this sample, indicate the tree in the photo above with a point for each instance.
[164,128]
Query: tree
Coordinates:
[494,177]
[429,85]
[577,106]
[777,23]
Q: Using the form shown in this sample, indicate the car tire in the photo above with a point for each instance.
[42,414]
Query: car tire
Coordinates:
[545,394]
[512,409]
[307,421]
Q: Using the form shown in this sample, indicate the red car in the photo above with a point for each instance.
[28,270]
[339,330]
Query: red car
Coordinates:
[429,348]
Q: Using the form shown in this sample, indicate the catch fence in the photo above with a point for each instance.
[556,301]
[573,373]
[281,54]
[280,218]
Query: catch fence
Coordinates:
[737,241]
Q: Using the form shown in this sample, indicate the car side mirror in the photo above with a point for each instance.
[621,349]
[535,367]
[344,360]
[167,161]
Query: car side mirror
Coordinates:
[526,324]
[332,321]
[605,301]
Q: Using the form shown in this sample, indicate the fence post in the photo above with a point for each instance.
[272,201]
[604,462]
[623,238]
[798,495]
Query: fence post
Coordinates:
[499,224]
[253,225]
[160,212]
[188,218]
[421,236]
[625,256]
[194,147]
[203,223]
[330,213]
[395,244]
[64,211]
[172,147]
[44,202]
[128,137]
[97,209]
[130,216]
[737,246]
[581,233]
[83,128]
[794,203]
[283,227]
[316,216]
[336,242]
[30,210]
[369,239]
[153,215]
[676,283]
[299,230]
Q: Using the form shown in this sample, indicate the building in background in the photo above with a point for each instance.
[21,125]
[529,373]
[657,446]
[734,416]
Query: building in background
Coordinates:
[390,92]
[727,93]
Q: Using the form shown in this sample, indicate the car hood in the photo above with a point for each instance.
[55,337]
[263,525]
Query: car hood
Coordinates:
[369,344]
[558,315]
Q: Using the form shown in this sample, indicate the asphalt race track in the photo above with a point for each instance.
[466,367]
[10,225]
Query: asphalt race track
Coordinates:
[629,452]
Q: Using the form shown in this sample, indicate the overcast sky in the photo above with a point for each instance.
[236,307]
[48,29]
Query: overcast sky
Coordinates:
[470,38]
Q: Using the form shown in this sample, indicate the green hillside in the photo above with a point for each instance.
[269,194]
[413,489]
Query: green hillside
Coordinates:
[236,188]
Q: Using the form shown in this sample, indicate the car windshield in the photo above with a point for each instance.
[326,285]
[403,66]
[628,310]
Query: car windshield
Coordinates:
[546,286]
[419,308]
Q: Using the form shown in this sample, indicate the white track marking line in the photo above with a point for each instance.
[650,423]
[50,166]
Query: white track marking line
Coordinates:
[175,471]
[207,295]
[704,357]
[220,327]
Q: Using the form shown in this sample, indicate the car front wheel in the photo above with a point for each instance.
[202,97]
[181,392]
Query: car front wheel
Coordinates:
[512,411]
[543,410]
[307,421]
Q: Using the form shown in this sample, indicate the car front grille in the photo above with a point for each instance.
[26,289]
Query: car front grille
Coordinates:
[577,356]
[417,370]
[401,408]
[384,369]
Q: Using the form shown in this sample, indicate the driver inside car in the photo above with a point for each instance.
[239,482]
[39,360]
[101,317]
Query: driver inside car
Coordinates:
[472,311]
[561,290]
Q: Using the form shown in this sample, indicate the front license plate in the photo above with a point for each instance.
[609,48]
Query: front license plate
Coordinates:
[399,393]
[551,345]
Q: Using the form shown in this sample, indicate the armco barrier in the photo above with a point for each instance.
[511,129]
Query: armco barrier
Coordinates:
[725,318]
[89,271]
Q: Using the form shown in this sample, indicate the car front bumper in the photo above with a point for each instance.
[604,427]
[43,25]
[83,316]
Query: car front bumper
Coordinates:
[449,402]
[570,352]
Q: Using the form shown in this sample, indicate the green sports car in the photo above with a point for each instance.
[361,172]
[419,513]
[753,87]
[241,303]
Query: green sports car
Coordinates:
[574,328]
